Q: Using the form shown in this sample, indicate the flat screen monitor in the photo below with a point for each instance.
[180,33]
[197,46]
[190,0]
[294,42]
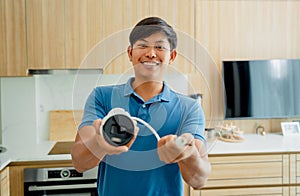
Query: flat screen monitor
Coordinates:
[262,88]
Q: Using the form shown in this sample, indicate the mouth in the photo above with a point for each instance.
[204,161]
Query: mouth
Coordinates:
[150,64]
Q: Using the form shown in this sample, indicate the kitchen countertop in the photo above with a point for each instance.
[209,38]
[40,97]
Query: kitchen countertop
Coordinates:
[253,143]
[19,152]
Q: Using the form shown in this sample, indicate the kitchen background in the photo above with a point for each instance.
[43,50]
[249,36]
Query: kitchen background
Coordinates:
[43,35]
[58,34]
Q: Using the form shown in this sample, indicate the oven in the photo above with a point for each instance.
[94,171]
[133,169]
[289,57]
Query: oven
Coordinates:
[60,182]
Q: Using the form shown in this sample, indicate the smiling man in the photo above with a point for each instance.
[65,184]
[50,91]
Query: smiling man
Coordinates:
[145,166]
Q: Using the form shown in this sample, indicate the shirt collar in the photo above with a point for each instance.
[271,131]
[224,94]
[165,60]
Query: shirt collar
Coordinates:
[163,96]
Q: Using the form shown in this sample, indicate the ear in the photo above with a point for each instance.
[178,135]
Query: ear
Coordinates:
[129,52]
[173,55]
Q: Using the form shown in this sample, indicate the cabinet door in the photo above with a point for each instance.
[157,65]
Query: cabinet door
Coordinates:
[119,18]
[84,30]
[298,168]
[180,15]
[45,34]
[13,60]
[4,182]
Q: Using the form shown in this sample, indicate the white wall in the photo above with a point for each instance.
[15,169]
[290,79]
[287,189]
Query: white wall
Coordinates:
[18,109]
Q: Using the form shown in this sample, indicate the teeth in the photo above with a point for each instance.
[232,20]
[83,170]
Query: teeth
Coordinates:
[150,63]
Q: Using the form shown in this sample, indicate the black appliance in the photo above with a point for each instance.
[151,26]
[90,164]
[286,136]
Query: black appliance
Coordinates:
[60,182]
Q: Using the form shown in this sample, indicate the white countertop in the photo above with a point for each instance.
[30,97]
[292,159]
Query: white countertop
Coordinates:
[19,152]
[270,143]
[253,143]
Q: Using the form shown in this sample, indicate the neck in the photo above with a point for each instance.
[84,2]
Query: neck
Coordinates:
[147,89]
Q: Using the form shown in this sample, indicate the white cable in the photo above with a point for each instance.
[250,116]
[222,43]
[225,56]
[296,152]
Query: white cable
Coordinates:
[148,126]
[181,141]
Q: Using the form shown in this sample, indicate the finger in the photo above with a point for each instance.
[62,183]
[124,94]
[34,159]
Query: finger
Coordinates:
[186,139]
[166,140]
[168,151]
[187,152]
[96,125]
[165,156]
[117,150]
[110,149]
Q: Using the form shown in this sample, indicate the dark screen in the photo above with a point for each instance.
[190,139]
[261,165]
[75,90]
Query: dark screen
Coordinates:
[262,88]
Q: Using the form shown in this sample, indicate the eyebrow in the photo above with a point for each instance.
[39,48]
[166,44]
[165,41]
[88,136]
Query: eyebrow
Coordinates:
[159,41]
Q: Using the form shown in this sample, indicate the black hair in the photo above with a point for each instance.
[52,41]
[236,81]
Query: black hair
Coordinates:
[151,25]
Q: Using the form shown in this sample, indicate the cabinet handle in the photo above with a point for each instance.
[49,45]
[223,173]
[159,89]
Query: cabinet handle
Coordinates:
[61,187]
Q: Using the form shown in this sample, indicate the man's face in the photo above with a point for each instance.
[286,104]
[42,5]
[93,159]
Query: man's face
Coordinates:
[150,56]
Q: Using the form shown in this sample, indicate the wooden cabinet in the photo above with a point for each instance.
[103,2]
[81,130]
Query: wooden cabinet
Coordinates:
[298,168]
[180,15]
[60,33]
[295,173]
[261,174]
[64,33]
[248,170]
[283,191]
[4,182]
[119,17]
[16,173]
[85,34]
[13,59]
[83,30]
[45,34]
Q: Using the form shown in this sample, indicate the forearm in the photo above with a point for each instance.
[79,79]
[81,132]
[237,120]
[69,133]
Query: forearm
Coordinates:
[86,153]
[196,168]
[82,157]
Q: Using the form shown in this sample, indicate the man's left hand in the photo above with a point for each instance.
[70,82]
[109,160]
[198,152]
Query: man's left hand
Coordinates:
[171,149]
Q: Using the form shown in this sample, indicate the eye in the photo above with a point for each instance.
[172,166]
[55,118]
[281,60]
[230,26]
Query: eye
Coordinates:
[160,47]
[142,46]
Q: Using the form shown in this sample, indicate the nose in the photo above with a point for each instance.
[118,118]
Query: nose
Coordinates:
[151,52]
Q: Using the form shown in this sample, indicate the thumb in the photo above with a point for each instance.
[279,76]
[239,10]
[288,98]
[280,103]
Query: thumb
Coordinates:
[96,125]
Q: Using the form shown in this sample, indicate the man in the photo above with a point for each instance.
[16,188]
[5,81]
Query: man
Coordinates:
[145,166]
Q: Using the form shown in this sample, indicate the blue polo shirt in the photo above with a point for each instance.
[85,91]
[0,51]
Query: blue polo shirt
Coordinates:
[139,171]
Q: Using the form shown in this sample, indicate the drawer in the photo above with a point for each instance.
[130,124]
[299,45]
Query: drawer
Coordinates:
[246,170]
[274,191]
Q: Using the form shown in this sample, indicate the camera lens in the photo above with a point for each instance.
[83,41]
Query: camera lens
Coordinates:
[118,130]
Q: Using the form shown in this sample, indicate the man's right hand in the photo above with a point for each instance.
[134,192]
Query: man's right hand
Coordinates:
[104,145]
